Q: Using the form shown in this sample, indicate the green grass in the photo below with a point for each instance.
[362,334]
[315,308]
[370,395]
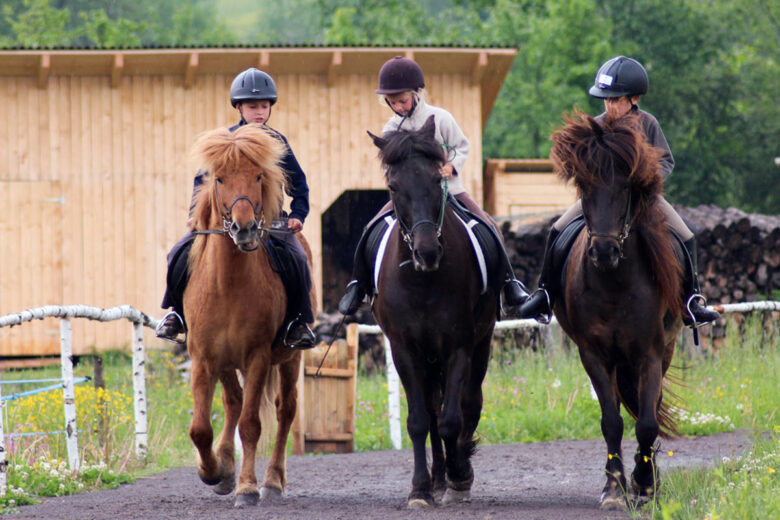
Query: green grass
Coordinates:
[530,396]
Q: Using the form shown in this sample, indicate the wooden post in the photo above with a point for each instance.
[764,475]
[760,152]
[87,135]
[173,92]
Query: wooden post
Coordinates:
[69,393]
[139,390]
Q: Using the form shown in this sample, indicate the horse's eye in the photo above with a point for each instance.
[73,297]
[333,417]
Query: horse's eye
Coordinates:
[391,187]
[219,180]
[259,178]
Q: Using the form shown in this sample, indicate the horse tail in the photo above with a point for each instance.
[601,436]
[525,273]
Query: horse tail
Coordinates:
[267,412]
[628,394]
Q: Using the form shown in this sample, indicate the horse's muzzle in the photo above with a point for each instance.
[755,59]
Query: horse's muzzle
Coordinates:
[246,238]
[604,253]
[427,256]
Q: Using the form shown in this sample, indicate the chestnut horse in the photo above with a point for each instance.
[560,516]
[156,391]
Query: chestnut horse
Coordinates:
[235,304]
[439,319]
[621,303]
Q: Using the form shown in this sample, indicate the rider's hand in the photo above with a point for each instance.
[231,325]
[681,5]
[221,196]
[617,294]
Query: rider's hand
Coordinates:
[294,225]
[446,170]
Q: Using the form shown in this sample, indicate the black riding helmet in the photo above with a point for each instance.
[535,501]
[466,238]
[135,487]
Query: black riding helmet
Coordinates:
[398,75]
[252,84]
[618,77]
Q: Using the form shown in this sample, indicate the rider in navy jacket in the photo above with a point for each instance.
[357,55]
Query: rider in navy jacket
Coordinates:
[253,93]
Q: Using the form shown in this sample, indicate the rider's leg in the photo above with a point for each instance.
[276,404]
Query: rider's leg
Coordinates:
[539,305]
[694,305]
[298,334]
[172,325]
[361,283]
[514,291]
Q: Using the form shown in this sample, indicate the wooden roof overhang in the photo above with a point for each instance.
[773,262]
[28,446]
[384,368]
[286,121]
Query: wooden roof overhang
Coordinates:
[487,67]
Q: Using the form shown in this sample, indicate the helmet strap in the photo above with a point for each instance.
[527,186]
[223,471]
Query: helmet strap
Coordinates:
[415,99]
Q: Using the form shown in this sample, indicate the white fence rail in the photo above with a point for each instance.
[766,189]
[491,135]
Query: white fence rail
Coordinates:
[394,392]
[66,313]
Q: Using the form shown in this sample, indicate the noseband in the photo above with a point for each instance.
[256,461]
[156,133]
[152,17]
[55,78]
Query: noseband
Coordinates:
[227,215]
[408,233]
[625,231]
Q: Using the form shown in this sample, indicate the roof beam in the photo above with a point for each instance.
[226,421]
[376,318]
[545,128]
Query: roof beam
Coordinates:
[44,69]
[335,68]
[479,67]
[192,70]
[117,70]
[264,61]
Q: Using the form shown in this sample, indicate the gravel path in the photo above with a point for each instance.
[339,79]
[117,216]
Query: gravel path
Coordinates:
[544,481]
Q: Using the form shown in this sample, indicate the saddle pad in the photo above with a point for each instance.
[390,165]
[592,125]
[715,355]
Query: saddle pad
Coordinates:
[482,242]
[561,250]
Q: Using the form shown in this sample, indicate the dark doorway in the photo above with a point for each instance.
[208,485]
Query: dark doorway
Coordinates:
[342,224]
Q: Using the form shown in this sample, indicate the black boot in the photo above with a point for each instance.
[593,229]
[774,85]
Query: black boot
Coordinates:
[515,293]
[299,335]
[695,312]
[539,304]
[350,302]
[170,327]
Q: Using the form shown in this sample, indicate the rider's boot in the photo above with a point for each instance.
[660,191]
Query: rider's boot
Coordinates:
[539,304]
[171,327]
[361,278]
[695,312]
[299,335]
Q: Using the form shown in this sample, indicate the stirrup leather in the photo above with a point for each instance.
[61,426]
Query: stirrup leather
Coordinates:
[161,325]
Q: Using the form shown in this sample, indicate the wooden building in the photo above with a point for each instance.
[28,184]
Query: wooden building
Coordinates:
[527,188]
[95,181]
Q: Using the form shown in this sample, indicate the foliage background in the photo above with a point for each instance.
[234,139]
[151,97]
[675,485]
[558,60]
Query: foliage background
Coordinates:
[714,64]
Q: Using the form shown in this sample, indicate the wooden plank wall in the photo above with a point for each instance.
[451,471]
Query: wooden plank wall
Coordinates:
[524,187]
[115,162]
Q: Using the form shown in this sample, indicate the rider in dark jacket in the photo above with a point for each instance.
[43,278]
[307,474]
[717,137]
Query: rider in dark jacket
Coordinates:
[620,82]
[253,93]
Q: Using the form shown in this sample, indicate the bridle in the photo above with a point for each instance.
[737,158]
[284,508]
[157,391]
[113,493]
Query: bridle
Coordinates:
[227,217]
[408,233]
[621,237]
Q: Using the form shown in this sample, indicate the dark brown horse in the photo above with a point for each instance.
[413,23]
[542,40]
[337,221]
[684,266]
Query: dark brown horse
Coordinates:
[431,306]
[234,305]
[622,294]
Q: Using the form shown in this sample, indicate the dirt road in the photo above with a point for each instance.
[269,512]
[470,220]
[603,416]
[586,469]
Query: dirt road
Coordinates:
[545,481]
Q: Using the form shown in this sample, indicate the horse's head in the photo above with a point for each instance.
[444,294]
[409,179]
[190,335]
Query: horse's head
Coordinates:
[245,183]
[617,177]
[411,161]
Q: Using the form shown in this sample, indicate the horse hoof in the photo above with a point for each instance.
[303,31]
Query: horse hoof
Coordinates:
[418,503]
[226,485]
[438,494]
[270,495]
[612,503]
[247,499]
[454,496]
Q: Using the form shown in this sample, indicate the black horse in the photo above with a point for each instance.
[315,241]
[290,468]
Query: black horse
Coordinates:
[438,315]
[621,302]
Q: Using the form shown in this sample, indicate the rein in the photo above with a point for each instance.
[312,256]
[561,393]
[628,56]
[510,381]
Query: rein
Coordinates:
[408,233]
[624,233]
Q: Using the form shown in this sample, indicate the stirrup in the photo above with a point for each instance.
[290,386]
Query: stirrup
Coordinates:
[696,297]
[162,325]
[305,342]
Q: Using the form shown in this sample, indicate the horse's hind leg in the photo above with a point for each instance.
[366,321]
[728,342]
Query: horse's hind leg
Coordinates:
[286,404]
[613,494]
[644,479]
[226,451]
[201,433]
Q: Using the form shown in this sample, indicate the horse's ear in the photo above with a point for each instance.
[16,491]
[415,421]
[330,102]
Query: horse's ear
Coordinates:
[378,141]
[598,130]
[429,128]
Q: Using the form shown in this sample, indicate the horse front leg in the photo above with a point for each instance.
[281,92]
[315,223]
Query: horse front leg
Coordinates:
[232,400]
[203,382]
[286,405]
[249,429]
[460,474]
[644,478]
[613,494]
[438,468]
[418,420]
